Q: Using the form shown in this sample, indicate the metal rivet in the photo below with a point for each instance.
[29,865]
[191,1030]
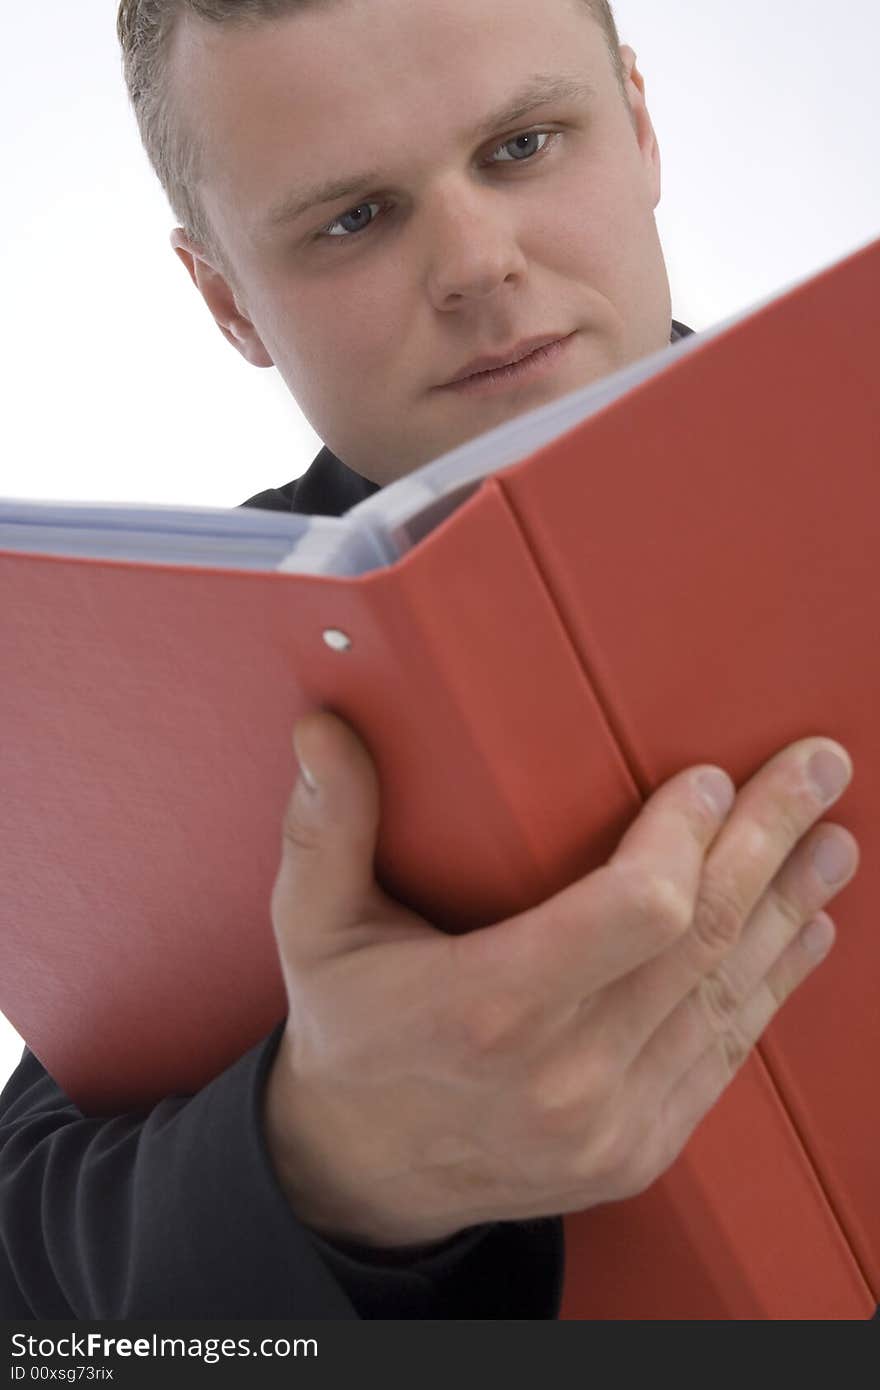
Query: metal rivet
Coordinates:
[336,640]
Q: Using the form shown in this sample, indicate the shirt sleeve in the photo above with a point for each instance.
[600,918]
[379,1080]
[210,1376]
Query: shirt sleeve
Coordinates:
[177,1214]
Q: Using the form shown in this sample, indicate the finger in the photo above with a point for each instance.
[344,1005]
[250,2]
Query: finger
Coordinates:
[773,811]
[328,834]
[606,924]
[631,1011]
[690,1077]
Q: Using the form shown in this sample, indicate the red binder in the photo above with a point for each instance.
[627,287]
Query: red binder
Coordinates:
[690,575]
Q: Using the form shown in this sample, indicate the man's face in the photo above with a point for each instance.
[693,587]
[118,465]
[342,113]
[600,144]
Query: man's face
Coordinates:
[465,228]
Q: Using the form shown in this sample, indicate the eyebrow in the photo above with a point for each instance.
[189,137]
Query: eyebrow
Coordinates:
[539,91]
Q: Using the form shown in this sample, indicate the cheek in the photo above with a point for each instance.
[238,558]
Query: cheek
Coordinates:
[596,224]
[344,328]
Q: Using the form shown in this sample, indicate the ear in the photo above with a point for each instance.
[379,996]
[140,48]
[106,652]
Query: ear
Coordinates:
[634,87]
[221,299]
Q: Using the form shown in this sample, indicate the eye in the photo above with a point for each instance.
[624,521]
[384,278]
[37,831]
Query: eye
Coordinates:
[521,147]
[356,216]
[518,150]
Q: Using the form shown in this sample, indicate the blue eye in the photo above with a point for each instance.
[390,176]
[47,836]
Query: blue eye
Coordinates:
[354,216]
[519,150]
[523,146]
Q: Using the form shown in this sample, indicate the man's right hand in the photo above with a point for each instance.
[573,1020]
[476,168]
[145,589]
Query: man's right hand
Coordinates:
[553,1061]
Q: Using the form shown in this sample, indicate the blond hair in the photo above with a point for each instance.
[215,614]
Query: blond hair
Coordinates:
[146,29]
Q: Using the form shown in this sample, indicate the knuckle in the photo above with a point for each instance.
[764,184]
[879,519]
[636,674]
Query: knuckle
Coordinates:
[298,835]
[719,915]
[617,1155]
[786,905]
[640,1171]
[553,1108]
[596,1166]
[783,821]
[621,1165]
[788,972]
[567,1099]
[735,1048]
[719,998]
[783,984]
[488,1028]
[658,901]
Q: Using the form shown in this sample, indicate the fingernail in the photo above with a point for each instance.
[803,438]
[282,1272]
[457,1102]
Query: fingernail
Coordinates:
[717,788]
[306,773]
[818,936]
[834,858]
[829,772]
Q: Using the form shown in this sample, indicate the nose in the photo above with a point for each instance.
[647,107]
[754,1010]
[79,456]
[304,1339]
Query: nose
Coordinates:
[473,246]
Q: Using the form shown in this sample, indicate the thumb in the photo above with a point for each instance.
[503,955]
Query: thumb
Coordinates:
[326,880]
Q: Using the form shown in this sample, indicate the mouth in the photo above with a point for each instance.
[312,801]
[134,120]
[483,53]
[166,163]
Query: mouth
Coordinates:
[526,361]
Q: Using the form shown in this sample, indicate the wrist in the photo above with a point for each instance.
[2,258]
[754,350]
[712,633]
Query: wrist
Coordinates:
[327,1181]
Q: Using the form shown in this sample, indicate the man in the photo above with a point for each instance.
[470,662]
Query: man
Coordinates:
[382,198]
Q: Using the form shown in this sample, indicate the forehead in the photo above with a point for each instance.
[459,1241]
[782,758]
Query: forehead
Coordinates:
[356,81]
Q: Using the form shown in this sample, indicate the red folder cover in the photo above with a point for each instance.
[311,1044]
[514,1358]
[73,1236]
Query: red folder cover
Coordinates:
[690,575]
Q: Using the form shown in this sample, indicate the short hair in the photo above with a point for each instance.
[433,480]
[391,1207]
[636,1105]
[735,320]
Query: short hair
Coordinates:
[146,29]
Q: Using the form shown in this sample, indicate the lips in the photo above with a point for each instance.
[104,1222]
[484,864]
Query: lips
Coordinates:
[505,359]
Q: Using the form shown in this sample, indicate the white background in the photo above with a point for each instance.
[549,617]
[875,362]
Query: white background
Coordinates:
[117,385]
